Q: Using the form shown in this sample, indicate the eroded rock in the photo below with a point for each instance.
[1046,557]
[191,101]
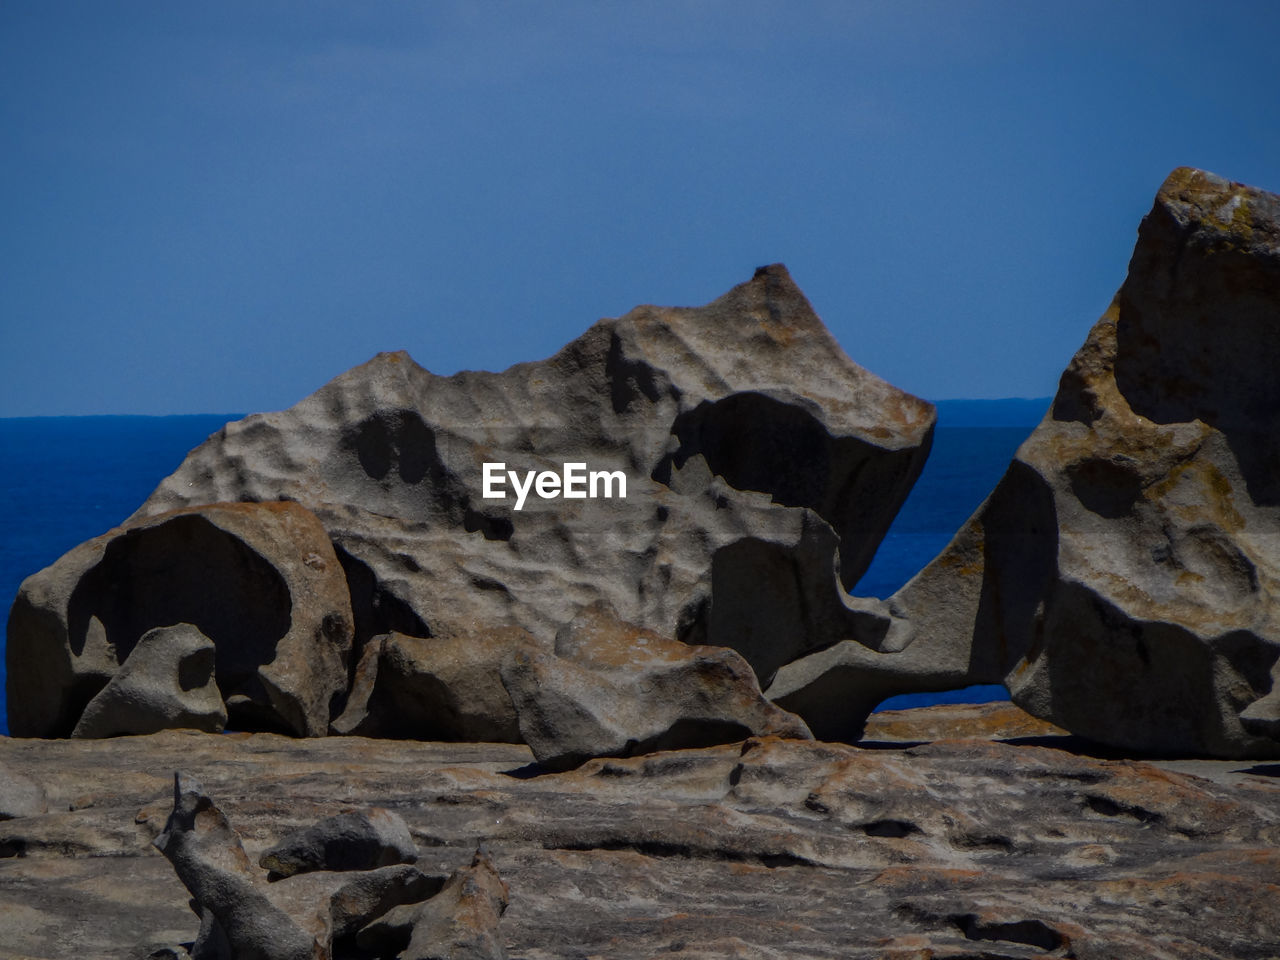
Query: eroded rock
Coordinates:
[462,921]
[441,688]
[231,897]
[332,879]
[1122,579]
[757,459]
[260,580]
[166,682]
[360,840]
[613,689]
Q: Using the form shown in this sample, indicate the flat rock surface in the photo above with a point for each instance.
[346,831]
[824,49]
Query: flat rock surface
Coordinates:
[946,721]
[972,847]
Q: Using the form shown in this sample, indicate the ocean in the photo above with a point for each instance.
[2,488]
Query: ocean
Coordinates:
[64,480]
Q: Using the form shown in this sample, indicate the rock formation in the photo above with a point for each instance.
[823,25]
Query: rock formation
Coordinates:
[1122,579]
[560,554]
[260,580]
[442,688]
[237,917]
[354,870]
[714,475]
[462,920]
[752,449]
[613,690]
[363,840]
[165,682]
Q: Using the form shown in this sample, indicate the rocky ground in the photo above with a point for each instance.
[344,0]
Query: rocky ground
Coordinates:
[1007,840]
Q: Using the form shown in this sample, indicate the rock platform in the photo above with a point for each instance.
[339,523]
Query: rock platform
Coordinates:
[1004,841]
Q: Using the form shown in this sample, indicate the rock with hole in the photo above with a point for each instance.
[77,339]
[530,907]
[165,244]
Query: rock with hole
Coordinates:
[260,580]
[1123,579]
[167,682]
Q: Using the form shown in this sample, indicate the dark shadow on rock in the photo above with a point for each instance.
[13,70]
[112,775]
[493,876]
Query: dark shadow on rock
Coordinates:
[1263,770]
[1020,543]
[375,611]
[186,571]
[758,442]
[529,771]
[1084,747]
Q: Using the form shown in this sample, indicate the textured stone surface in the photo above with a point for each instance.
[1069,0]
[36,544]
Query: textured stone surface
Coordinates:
[442,688]
[462,922]
[20,796]
[244,916]
[755,453]
[1121,580]
[361,840]
[968,721]
[166,682]
[773,849]
[613,689]
[230,895]
[261,580]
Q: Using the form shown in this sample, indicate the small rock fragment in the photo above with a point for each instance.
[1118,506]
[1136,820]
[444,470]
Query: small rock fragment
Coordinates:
[348,841]
[372,893]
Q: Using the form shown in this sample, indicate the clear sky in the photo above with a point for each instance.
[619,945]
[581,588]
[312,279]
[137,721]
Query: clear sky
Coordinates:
[217,207]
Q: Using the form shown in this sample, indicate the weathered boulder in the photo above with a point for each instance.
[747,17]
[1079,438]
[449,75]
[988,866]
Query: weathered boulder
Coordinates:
[260,580]
[613,689]
[361,840]
[231,897]
[442,688]
[1122,580]
[462,921]
[166,682]
[761,468]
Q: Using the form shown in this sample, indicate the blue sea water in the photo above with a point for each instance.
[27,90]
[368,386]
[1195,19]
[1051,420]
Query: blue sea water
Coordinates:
[64,480]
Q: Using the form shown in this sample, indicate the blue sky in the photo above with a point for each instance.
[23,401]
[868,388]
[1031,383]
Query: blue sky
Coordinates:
[217,207]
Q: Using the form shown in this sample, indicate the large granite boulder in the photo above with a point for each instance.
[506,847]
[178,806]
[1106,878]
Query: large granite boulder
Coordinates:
[761,468]
[613,689]
[259,580]
[1122,580]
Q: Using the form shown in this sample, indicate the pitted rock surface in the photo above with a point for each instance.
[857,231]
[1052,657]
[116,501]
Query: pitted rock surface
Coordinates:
[758,459]
[1123,578]
[954,848]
